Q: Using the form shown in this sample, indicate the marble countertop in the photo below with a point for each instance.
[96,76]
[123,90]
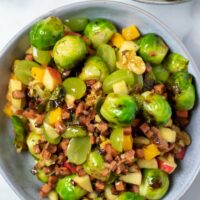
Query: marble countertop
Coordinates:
[183,19]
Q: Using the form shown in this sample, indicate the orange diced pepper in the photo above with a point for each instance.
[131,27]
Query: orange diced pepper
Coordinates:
[128,142]
[150,152]
[117,40]
[38,73]
[130,32]
[55,116]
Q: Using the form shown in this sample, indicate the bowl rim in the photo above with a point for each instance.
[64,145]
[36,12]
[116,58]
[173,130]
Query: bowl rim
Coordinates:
[120,3]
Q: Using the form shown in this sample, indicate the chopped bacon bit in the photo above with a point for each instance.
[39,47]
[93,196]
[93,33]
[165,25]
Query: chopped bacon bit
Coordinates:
[61,158]
[63,171]
[136,122]
[105,172]
[92,139]
[99,185]
[127,130]
[39,119]
[121,168]
[44,190]
[110,150]
[120,186]
[29,113]
[139,153]
[70,166]
[64,144]
[46,154]
[52,180]
[152,53]
[80,108]
[18,94]
[182,113]
[159,89]
[36,149]
[29,57]
[134,168]
[134,188]
[80,171]
[52,148]
[60,127]
[91,51]
[65,114]
[108,157]
[102,127]
[144,127]
[128,156]
[183,121]
[90,128]
[90,82]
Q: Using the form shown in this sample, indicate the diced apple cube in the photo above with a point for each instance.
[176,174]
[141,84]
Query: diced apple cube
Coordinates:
[51,78]
[84,182]
[148,164]
[168,134]
[132,178]
[120,88]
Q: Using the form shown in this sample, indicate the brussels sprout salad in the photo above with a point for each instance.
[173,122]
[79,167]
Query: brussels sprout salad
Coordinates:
[102,111]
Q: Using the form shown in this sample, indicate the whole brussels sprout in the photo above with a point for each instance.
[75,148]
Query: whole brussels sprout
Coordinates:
[68,191]
[95,165]
[152,48]
[180,84]
[119,109]
[94,68]
[99,31]
[130,196]
[155,184]
[68,51]
[160,73]
[175,63]
[156,108]
[45,33]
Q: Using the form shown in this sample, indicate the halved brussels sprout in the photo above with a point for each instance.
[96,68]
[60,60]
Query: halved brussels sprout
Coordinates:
[67,190]
[69,51]
[160,73]
[183,90]
[175,63]
[107,53]
[95,165]
[94,68]
[99,31]
[119,109]
[33,139]
[152,48]
[45,33]
[155,184]
[130,196]
[156,108]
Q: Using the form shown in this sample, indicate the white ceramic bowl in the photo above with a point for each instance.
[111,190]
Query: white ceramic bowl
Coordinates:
[16,168]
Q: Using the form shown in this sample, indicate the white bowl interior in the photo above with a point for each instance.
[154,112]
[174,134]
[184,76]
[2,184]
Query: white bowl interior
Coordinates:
[16,167]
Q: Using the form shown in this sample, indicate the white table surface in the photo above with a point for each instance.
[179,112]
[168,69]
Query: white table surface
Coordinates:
[15,14]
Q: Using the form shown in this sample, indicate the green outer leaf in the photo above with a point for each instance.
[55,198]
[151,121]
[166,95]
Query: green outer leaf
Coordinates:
[78,150]
[129,196]
[107,53]
[117,76]
[20,132]
[74,131]
[117,139]
[160,73]
[22,70]
[50,134]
